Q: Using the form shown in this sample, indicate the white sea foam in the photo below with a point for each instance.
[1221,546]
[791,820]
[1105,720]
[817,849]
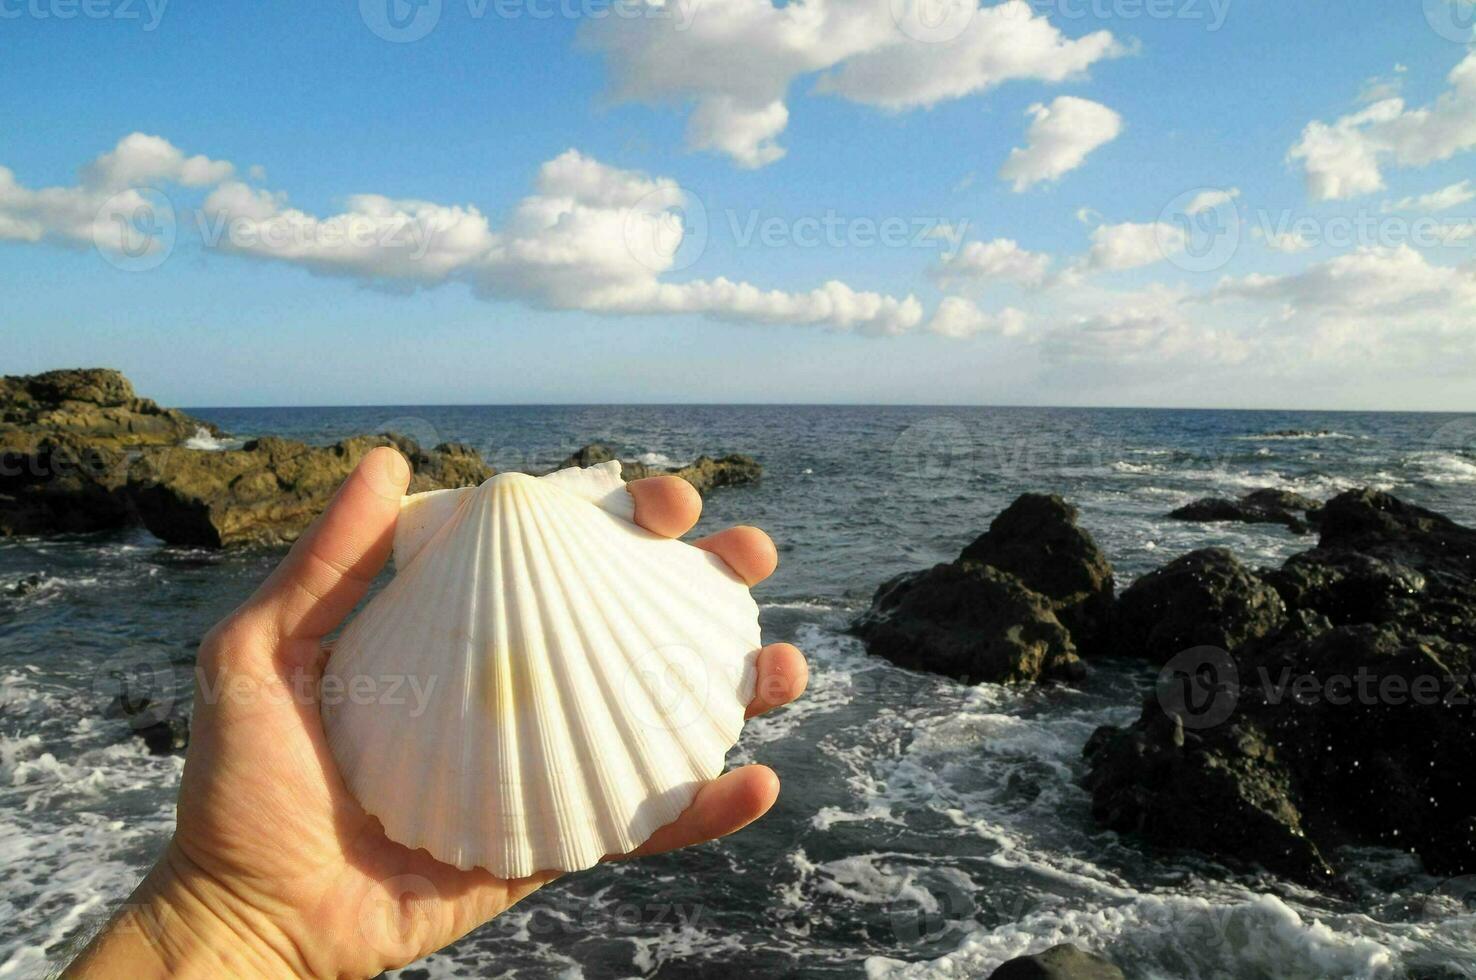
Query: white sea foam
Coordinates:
[656,459]
[204,440]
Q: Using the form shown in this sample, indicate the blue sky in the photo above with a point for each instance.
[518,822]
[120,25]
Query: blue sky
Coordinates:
[1134,202]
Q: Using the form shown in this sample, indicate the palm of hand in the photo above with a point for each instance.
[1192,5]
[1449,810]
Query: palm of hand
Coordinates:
[264,815]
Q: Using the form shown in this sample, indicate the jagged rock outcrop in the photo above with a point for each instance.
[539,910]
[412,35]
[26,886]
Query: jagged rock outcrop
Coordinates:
[1347,722]
[705,473]
[969,621]
[64,436]
[1267,506]
[1038,540]
[1019,604]
[95,405]
[1064,961]
[269,491]
[1204,598]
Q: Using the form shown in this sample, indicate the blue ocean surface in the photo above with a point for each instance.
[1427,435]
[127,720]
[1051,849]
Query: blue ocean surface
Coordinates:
[925,829]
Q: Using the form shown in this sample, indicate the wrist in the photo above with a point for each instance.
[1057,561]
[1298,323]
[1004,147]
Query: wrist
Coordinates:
[180,922]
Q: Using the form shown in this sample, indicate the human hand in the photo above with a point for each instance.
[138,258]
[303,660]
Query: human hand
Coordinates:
[274,869]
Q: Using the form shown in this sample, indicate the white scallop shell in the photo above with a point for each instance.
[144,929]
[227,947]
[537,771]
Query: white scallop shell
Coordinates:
[543,682]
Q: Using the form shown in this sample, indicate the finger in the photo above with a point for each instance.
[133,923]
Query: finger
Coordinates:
[665,505]
[782,676]
[330,568]
[727,804]
[749,552]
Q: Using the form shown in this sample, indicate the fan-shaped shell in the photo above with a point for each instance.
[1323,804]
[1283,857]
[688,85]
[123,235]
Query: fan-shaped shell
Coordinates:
[543,682]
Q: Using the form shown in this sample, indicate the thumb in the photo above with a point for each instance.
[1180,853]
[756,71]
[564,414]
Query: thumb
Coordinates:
[330,567]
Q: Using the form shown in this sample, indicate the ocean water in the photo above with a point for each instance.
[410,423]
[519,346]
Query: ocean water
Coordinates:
[925,829]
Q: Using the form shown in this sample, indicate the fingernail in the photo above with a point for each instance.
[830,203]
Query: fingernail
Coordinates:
[390,475]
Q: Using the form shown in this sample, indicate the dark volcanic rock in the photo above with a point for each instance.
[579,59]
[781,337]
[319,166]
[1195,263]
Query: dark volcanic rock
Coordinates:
[1204,598]
[1221,791]
[1384,526]
[1348,586]
[1348,722]
[162,728]
[969,621]
[1266,506]
[705,473]
[268,491]
[1061,962]
[1037,539]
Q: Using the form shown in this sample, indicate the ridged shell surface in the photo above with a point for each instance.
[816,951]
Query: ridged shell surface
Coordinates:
[543,682]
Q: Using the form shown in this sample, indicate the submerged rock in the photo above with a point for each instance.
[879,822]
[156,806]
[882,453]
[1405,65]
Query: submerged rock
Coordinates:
[969,621]
[1061,962]
[269,491]
[1266,506]
[1204,598]
[1038,540]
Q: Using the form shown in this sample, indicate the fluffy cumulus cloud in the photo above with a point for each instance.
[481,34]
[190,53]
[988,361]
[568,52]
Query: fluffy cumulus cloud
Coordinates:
[1392,304]
[735,61]
[959,318]
[1000,260]
[1059,139]
[110,196]
[1453,195]
[1150,328]
[589,237]
[1131,245]
[1346,158]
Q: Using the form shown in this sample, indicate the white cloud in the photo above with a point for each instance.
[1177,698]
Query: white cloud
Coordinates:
[999,260]
[1208,200]
[1131,245]
[103,206]
[1370,280]
[960,318]
[1144,329]
[1384,306]
[1059,139]
[140,159]
[1345,158]
[1445,198]
[591,237]
[736,60]
[1289,242]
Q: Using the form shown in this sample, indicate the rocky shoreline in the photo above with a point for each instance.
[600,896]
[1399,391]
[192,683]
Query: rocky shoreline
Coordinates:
[81,452]
[1300,709]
